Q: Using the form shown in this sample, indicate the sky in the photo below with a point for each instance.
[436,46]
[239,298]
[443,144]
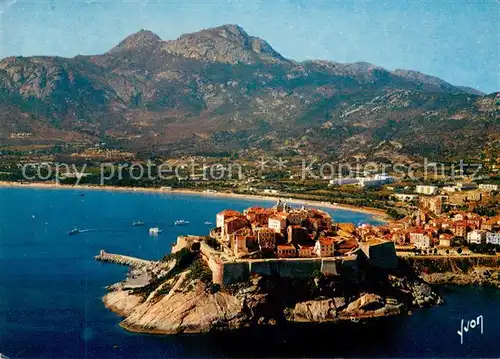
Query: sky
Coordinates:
[456,40]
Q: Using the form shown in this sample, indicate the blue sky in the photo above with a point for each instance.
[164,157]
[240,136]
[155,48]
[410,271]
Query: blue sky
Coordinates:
[455,40]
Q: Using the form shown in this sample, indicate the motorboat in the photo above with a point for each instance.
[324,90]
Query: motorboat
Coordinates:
[138,224]
[181,222]
[74,231]
[155,231]
[208,223]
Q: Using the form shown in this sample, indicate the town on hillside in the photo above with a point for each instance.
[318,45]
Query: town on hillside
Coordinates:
[297,236]
[286,232]
[443,223]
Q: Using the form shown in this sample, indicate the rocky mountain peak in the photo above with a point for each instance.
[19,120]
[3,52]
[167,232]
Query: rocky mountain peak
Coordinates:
[230,30]
[142,39]
[227,43]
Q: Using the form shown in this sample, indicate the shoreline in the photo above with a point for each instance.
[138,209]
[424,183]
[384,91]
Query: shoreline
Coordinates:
[378,215]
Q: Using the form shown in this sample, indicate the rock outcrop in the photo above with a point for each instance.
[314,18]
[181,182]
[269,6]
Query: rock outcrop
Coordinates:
[316,311]
[483,271]
[180,298]
[188,307]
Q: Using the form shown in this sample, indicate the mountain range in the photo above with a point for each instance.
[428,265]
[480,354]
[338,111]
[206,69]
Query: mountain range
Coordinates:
[221,90]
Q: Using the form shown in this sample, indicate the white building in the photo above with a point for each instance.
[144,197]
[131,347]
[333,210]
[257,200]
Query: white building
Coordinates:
[377,180]
[488,187]
[277,223]
[476,236]
[493,238]
[405,197]
[427,190]
[343,181]
[422,242]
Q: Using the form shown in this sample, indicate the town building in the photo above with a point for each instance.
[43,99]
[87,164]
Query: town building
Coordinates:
[460,229]
[305,251]
[298,235]
[488,187]
[344,246]
[266,239]
[296,217]
[277,223]
[422,242]
[258,215]
[405,197]
[324,247]
[226,214]
[476,237]
[240,244]
[445,240]
[493,238]
[343,181]
[416,235]
[460,199]
[232,225]
[286,251]
[489,224]
[377,180]
[427,190]
[465,186]
[433,204]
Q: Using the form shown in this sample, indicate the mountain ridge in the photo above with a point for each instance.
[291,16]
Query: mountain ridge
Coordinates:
[221,84]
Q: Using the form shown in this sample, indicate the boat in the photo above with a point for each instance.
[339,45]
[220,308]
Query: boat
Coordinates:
[74,231]
[138,224]
[208,223]
[155,231]
[181,222]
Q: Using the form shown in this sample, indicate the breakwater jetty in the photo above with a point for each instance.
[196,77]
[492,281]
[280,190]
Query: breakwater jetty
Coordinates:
[133,262]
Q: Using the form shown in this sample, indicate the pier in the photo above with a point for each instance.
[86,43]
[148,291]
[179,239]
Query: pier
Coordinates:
[133,262]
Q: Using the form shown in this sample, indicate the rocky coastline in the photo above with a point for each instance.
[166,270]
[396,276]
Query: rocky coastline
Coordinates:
[479,271]
[180,298]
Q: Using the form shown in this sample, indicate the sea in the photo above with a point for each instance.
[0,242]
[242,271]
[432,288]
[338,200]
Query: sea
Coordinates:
[51,288]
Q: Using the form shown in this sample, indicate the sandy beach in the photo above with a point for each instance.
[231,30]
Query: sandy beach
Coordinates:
[377,213]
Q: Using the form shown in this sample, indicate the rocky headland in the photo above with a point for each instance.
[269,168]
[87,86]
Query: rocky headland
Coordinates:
[176,295]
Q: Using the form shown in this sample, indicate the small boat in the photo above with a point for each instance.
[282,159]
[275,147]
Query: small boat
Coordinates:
[181,222]
[155,231]
[74,231]
[207,223]
[138,224]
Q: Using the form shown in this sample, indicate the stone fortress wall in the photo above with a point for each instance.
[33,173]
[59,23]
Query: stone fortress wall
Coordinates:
[231,271]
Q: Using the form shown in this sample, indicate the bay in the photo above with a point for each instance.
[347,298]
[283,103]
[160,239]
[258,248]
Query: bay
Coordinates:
[51,288]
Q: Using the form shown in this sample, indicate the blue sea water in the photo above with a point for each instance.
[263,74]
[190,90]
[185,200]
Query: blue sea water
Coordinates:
[51,288]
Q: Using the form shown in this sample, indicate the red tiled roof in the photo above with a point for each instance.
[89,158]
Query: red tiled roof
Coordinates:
[227,220]
[230,212]
[285,246]
[325,241]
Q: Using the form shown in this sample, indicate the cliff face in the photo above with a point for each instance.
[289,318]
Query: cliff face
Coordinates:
[477,270]
[189,306]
